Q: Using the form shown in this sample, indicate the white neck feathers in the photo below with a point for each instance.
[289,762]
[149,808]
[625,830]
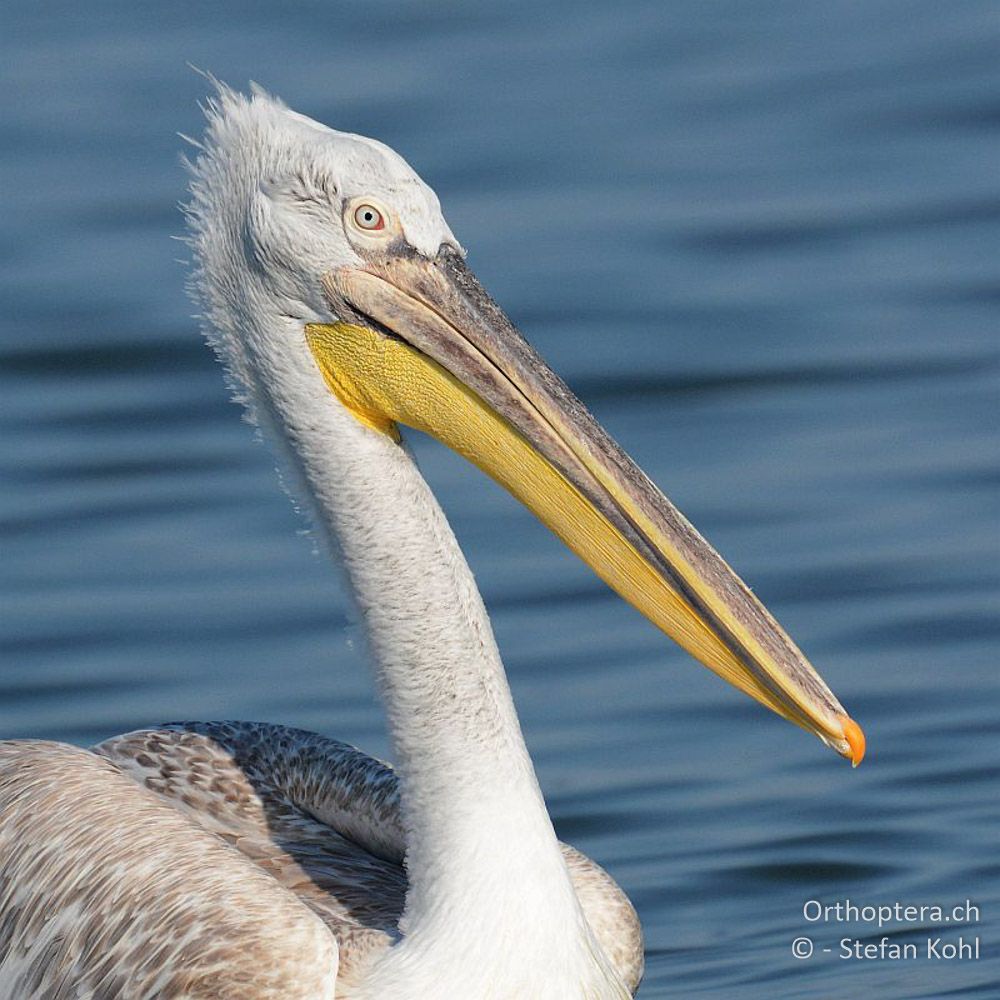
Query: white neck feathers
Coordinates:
[487,877]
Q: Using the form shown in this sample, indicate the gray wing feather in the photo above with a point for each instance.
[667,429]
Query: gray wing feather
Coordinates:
[320,817]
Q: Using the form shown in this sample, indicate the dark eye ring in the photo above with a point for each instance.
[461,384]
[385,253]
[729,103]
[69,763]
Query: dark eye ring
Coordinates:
[369,218]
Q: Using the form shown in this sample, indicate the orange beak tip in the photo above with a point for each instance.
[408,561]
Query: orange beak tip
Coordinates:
[855,740]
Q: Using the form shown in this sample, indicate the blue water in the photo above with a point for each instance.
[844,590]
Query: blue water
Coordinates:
[761,239]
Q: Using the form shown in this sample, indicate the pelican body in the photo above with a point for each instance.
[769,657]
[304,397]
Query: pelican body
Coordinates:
[242,861]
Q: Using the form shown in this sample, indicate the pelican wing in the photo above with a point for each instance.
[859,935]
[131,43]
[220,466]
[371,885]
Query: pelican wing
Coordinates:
[108,892]
[154,865]
[318,816]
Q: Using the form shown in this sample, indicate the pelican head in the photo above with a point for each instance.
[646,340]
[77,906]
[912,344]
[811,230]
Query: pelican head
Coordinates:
[350,271]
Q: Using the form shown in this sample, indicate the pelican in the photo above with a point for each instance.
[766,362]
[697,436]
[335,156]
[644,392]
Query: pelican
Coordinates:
[245,861]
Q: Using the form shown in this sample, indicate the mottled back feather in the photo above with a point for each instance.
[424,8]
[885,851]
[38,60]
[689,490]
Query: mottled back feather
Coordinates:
[109,893]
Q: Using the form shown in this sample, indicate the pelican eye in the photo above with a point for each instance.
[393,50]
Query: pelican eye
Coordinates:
[368,217]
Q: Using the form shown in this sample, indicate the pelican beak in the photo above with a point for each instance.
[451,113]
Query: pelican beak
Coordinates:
[422,344]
